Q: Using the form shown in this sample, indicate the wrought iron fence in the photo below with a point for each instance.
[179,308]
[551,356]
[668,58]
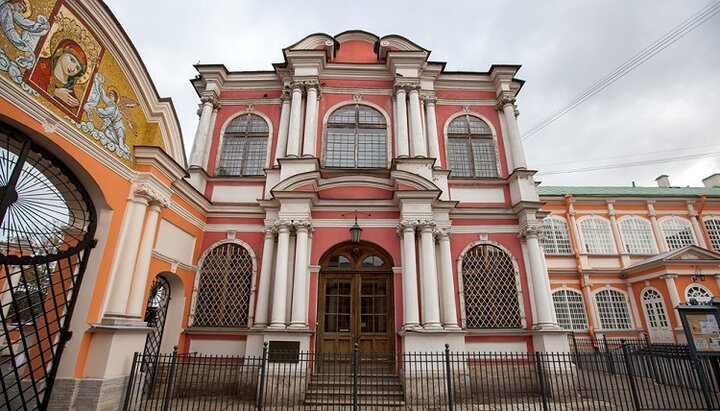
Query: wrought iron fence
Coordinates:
[640,378]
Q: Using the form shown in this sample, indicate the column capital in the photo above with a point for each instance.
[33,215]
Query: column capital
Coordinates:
[152,195]
[443,233]
[302,225]
[426,224]
[285,96]
[311,84]
[398,88]
[430,100]
[531,230]
[281,225]
[209,99]
[406,225]
[504,99]
[668,277]
[269,231]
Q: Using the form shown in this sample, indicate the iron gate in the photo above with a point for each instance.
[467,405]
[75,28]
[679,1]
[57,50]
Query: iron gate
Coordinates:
[155,314]
[48,223]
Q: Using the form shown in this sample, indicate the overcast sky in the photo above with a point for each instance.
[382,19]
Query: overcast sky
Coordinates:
[667,107]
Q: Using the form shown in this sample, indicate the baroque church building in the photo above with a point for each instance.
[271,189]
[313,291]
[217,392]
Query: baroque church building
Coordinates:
[355,194]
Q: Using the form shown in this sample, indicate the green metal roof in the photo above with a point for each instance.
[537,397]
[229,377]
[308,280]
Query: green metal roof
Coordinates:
[610,191]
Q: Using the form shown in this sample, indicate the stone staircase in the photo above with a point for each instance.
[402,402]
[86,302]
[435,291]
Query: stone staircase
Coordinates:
[335,391]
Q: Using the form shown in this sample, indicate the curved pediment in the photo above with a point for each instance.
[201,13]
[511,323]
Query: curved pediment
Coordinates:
[78,63]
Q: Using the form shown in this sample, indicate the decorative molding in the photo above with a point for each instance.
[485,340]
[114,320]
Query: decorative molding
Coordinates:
[152,194]
[504,99]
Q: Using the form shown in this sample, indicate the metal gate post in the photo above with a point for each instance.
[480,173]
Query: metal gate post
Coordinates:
[609,356]
[261,387]
[131,381]
[541,381]
[171,378]
[356,372]
[449,377]
[631,376]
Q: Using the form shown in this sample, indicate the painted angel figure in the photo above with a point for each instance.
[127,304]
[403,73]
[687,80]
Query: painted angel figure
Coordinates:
[114,114]
[12,13]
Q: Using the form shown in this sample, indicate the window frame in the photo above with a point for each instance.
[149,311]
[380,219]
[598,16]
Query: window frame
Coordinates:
[356,127]
[251,287]
[462,287]
[714,232]
[688,227]
[555,240]
[584,236]
[626,239]
[222,140]
[613,310]
[584,323]
[653,302]
[698,286]
[492,137]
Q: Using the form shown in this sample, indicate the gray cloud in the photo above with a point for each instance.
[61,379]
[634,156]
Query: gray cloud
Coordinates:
[669,103]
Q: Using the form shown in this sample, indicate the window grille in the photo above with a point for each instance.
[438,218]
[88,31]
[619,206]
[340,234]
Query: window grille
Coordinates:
[570,309]
[471,149]
[597,235]
[637,234]
[677,232]
[712,225]
[613,310]
[556,237]
[356,138]
[223,296]
[655,309]
[699,293]
[244,147]
[490,289]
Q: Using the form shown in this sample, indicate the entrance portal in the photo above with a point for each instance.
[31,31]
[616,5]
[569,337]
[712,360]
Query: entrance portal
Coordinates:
[355,303]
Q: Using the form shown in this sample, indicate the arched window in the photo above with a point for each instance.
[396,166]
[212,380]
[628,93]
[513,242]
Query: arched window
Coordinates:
[490,289]
[570,309]
[699,293]
[655,309]
[712,225]
[677,232]
[556,237]
[471,149]
[612,306]
[637,235]
[356,138]
[596,234]
[223,295]
[244,147]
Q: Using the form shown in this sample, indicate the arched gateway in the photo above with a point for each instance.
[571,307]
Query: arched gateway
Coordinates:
[355,300]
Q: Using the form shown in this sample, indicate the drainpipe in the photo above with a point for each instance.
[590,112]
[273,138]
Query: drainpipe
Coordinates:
[703,228]
[578,264]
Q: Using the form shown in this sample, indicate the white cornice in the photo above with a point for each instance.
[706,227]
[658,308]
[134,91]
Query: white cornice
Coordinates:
[466,102]
[240,228]
[171,260]
[474,229]
[358,90]
[225,102]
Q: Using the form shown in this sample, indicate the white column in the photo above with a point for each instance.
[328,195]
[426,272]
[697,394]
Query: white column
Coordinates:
[409,277]
[696,226]
[506,103]
[541,282]
[418,147]
[432,134]
[717,280]
[293,144]
[633,306]
[300,290]
[657,232]
[263,294]
[142,267]
[449,311]
[594,318]
[122,278]
[277,317]
[201,143]
[429,278]
[211,128]
[401,122]
[281,148]
[674,296]
[311,112]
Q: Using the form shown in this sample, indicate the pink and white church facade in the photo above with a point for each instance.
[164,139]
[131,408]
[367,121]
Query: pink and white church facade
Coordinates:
[366,130]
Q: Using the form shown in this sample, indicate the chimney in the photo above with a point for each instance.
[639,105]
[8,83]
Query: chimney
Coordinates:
[663,181]
[712,181]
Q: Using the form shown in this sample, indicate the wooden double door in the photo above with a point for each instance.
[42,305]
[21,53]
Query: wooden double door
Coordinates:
[355,304]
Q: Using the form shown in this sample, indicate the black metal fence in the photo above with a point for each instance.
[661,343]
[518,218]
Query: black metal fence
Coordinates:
[633,377]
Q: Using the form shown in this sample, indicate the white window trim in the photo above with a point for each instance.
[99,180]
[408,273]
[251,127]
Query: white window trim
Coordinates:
[705,219]
[388,128]
[673,217]
[198,274]
[691,285]
[662,301]
[461,291]
[567,230]
[582,300]
[498,164]
[582,235]
[653,239]
[221,138]
[597,309]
